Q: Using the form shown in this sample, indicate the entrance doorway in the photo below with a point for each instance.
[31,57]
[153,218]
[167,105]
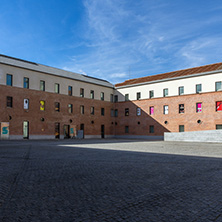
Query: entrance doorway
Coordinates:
[57,130]
[102,131]
[66,131]
[82,128]
[25,130]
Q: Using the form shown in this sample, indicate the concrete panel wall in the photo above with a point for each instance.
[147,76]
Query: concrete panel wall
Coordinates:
[195,136]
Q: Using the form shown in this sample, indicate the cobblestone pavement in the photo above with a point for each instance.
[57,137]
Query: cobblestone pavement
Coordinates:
[110,180]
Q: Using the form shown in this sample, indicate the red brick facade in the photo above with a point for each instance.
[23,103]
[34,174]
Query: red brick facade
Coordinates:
[17,114]
[139,125]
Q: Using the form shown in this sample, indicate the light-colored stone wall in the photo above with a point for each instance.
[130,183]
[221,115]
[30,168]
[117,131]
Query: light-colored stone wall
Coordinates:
[195,136]
[207,81]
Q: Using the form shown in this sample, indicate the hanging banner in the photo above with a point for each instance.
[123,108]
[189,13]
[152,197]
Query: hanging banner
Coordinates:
[5,130]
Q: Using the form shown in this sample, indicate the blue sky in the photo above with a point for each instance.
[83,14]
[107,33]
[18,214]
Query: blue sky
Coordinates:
[113,39]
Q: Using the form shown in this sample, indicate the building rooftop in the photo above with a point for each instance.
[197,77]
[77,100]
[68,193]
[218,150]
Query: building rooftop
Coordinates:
[52,71]
[174,74]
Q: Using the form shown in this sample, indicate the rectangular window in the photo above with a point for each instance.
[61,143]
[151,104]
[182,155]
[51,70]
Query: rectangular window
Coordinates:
[151,110]
[126,97]
[57,107]
[218,86]
[198,88]
[219,106]
[181,108]
[181,90]
[138,96]
[102,112]
[82,109]
[219,126]
[102,96]
[151,129]
[70,90]
[138,111]
[70,108]
[165,92]
[81,92]
[56,88]
[127,112]
[92,94]
[9,80]
[111,98]
[42,85]
[42,105]
[9,101]
[165,109]
[198,107]
[181,128]
[116,98]
[26,83]
[92,110]
[116,113]
[151,94]
[112,112]
[26,103]
[126,129]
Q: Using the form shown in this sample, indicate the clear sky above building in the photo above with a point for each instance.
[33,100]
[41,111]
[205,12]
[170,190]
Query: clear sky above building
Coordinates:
[113,39]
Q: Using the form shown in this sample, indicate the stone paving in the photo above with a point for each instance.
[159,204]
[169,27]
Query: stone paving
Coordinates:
[110,180]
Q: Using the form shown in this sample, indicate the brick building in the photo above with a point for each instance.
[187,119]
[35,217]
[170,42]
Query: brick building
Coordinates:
[41,102]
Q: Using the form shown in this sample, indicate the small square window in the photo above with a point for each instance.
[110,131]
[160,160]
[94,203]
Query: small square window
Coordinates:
[70,108]
[181,128]
[70,90]
[26,83]
[102,96]
[126,129]
[181,90]
[9,101]
[42,85]
[198,107]
[82,109]
[218,86]
[9,80]
[92,94]
[56,88]
[219,106]
[198,88]
[81,92]
[92,110]
[165,109]
[126,97]
[151,110]
[138,96]
[151,129]
[102,112]
[127,112]
[42,105]
[151,94]
[57,107]
[181,108]
[165,92]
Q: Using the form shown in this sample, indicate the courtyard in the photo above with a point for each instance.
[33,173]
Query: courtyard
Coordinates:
[110,180]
